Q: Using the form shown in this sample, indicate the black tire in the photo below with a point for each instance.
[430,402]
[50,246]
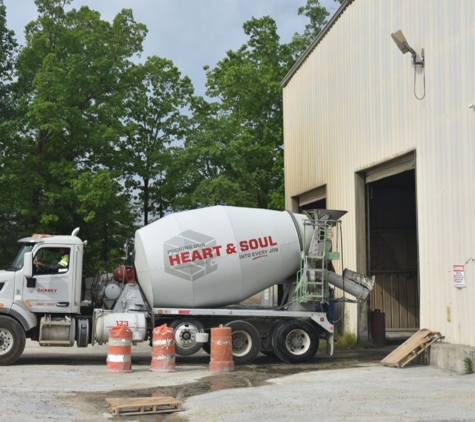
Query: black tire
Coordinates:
[83,332]
[185,336]
[12,341]
[246,342]
[295,341]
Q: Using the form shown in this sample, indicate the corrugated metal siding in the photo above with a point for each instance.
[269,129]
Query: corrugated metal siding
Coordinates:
[351,105]
[397,294]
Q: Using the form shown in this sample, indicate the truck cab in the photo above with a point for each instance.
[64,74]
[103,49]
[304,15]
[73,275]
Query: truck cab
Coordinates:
[46,289]
[33,297]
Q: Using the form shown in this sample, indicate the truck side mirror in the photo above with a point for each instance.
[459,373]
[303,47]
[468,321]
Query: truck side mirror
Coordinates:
[28,265]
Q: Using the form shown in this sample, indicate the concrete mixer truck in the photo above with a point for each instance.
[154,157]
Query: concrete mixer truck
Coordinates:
[192,270]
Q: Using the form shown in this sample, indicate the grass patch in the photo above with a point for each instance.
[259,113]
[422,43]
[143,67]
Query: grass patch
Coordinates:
[468,366]
[346,340]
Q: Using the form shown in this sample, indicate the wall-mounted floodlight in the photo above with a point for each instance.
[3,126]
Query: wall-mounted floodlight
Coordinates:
[404,46]
[400,40]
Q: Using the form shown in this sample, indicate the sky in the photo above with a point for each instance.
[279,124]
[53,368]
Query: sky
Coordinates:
[191,33]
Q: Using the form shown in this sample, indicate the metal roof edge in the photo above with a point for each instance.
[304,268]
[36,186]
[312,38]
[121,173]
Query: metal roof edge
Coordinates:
[314,43]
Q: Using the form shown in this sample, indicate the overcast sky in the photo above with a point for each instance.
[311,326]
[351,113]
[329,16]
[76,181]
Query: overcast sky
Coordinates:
[191,33]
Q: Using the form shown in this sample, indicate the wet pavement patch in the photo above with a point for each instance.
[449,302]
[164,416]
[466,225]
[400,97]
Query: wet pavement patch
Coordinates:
[255,375]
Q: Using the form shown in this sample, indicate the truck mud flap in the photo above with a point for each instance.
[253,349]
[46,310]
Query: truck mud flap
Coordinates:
[330,343]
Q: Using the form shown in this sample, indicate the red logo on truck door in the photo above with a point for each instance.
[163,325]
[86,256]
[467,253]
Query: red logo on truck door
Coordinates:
[47,290]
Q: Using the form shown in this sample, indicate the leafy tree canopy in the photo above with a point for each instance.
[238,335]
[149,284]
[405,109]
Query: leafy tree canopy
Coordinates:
[243,129]
[155,119]
[73,75]
[91,138]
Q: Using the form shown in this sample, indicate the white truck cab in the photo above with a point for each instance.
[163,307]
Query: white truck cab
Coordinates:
[31,296]
[46,290]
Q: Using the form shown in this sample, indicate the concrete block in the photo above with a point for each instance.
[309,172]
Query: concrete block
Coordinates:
[451,357]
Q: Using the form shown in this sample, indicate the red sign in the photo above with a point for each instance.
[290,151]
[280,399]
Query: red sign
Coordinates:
[200,254]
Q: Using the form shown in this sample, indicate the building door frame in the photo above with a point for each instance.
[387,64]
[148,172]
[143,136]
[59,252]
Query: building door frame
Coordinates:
[364,177]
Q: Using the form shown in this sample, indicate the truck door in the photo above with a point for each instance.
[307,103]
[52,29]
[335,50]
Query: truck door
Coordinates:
[50,289]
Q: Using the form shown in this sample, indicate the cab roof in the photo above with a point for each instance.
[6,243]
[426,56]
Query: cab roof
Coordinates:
[51,239]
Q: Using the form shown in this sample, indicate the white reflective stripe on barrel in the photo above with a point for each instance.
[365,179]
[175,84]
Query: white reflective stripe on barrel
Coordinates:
[120,342]
[118,358]
[165,342]
[163,357]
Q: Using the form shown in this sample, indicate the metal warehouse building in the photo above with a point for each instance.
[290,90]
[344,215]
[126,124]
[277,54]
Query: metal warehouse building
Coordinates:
[390,137]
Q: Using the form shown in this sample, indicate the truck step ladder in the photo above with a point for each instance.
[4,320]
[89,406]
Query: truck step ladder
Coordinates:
[312,282]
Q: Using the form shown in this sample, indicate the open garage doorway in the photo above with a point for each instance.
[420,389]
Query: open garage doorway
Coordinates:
[317,205]
[311,200]
[391,246]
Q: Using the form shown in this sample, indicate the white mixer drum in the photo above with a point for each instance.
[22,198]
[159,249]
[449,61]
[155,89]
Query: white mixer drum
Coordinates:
[216,256]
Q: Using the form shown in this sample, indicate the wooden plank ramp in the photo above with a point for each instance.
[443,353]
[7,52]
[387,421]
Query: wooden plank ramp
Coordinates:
[143,405]
[411,348]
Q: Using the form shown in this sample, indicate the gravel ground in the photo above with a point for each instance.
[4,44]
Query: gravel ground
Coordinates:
[374,393]
[62,384]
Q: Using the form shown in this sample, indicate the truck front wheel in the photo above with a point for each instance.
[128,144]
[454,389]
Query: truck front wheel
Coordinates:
[185,331]
[12,341]
[295,341]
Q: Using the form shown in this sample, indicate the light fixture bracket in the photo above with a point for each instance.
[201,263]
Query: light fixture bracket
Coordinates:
[401,42]
[420,62]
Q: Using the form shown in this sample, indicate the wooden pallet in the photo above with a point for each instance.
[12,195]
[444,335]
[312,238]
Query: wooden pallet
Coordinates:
[144,405]
[411,348]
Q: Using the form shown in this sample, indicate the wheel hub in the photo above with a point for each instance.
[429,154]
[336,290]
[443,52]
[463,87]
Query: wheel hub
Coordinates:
[238,342]
[186,337]
[5,341]
[296,341]
[185,333]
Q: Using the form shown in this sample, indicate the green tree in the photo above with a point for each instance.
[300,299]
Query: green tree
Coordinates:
[317,15]
[235,153]
[88,137]
[155,119]
[7,63]
[8,191]
[74,74]
[246,83]
[201,169]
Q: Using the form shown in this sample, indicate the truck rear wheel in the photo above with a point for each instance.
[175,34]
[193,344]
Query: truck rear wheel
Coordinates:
[246,342]
[12,341]
[185,331]
[295,341]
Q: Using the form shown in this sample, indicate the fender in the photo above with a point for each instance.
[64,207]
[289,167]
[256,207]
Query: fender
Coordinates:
[27,319]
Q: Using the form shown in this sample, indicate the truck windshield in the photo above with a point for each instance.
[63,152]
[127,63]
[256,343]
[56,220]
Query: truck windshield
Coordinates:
[18,262]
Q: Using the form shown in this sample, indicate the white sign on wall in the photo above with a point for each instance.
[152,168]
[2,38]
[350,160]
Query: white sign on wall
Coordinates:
[459,276]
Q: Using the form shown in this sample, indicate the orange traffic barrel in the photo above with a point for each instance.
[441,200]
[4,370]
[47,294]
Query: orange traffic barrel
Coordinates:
[221,350]
[119,349]
[163,350]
